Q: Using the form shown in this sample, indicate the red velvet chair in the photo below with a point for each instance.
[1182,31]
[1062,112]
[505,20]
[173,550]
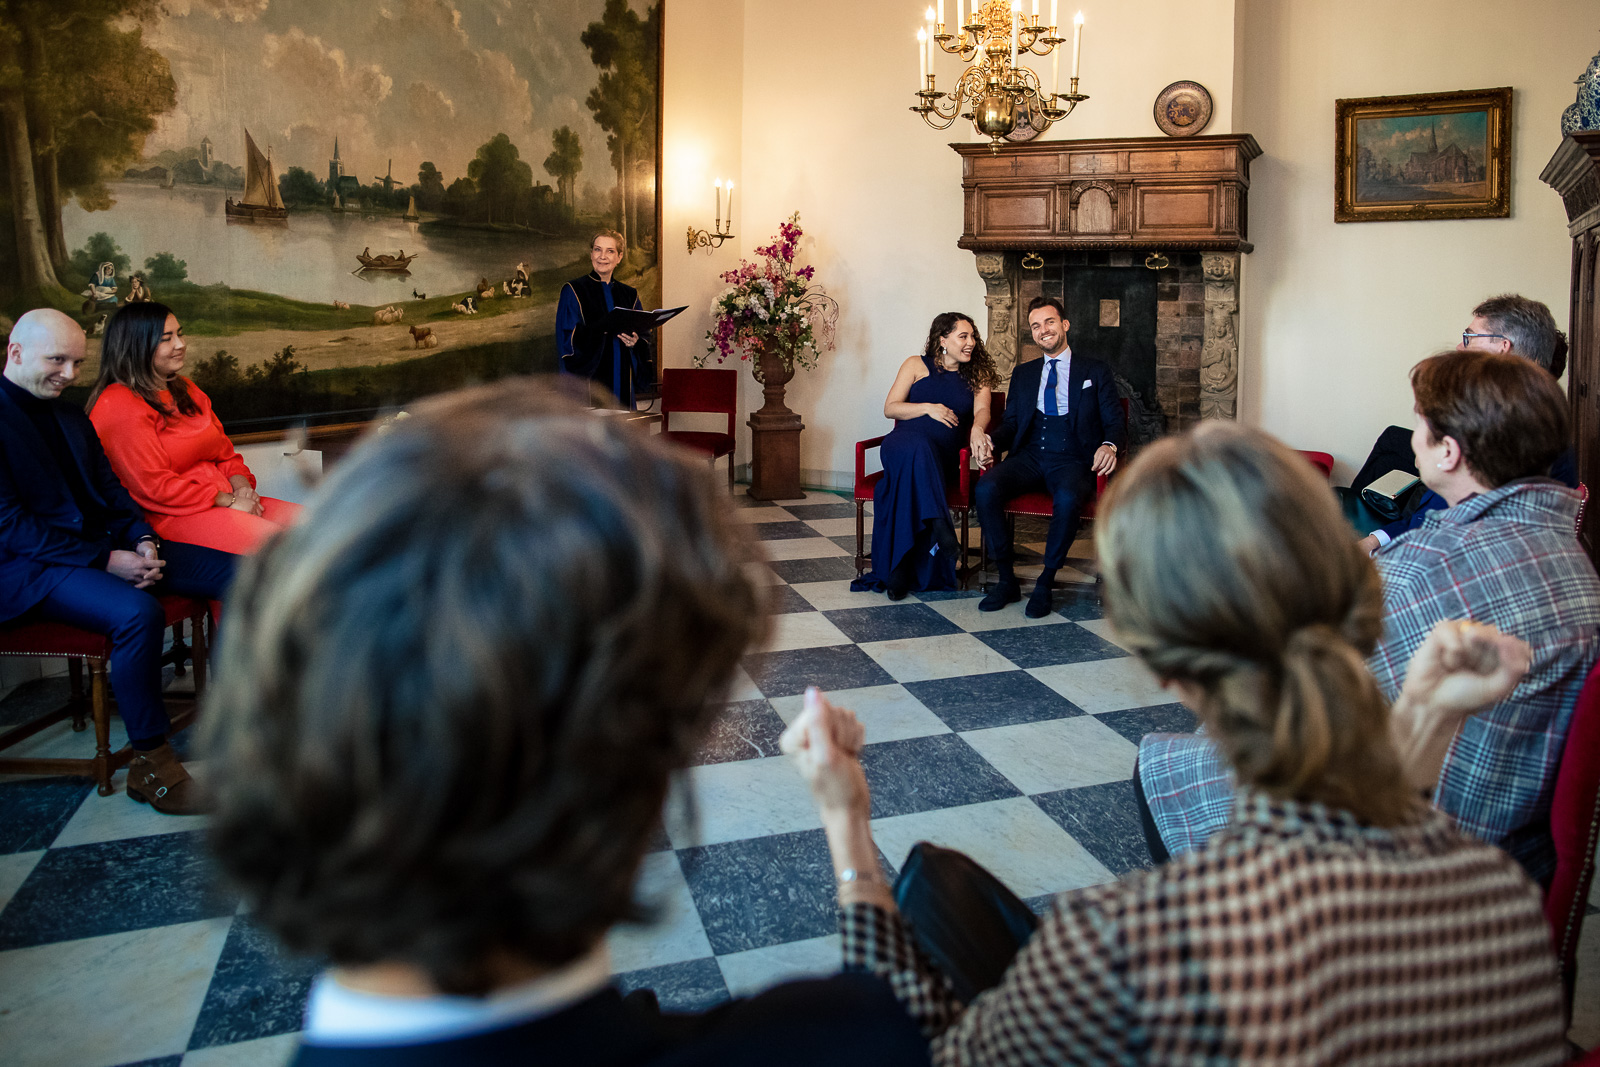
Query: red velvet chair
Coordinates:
[79,647]
[1039,504]
[958,496]
[1320,460]
[1575,827]
[684,391]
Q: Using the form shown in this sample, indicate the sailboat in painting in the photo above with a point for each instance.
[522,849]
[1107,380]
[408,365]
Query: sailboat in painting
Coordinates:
[411,211]
[261,202]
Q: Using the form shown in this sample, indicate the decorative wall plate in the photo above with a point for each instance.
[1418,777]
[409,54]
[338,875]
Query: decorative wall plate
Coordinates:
[1025,130]
[1183,109]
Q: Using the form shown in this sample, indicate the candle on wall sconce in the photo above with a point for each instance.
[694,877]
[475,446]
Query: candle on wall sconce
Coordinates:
[715,237]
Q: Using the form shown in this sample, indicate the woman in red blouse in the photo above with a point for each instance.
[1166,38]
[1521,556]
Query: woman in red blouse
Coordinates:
[165,444]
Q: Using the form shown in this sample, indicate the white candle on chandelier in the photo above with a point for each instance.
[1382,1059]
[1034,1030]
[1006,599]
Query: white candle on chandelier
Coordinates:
[718,184]
[1055,72]
[959,20]
[941,12]
[1016,16]
[1053,22]
[1077,42]
[1036,12]
[922,59]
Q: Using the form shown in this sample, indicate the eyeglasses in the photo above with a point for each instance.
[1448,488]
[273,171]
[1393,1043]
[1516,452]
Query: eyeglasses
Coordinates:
[1468,335]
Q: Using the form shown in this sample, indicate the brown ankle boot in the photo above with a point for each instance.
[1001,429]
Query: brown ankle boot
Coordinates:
[158,779]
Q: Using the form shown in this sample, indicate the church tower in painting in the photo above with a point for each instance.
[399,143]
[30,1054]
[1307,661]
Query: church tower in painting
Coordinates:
[335,167]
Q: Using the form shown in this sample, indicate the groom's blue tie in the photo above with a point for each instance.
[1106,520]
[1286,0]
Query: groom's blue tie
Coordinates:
[1050,407]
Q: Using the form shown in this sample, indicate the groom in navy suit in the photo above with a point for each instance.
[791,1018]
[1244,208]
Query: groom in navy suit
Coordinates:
[1063,425]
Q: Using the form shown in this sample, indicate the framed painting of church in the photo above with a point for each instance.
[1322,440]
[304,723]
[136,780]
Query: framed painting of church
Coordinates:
[1427,156]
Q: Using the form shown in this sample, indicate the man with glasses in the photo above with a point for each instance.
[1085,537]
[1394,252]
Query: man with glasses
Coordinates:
[1507,324]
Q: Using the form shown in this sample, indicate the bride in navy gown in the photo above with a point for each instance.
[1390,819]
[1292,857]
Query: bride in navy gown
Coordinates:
[940,402]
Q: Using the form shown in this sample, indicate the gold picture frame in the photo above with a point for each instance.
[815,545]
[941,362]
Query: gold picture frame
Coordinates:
[1425,156]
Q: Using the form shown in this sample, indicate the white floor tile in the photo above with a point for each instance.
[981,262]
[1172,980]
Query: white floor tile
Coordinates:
[1104,685]
[747,973]
[116,817]
[14,870]
[917,659]
[142,990]
[676,935]
[1103,629]
[1041,757]
[742,687]
[843,528]
[803,629]
[801,548]
[1021,845]
[262,1052]
[751,798]
[831,596]
[965,614]
[763,514]
[888,712]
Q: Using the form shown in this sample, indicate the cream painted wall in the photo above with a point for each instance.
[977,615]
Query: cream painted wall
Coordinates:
[1335,315]
[822,91]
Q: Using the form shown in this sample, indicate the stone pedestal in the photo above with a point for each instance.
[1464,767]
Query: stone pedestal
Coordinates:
[774,436]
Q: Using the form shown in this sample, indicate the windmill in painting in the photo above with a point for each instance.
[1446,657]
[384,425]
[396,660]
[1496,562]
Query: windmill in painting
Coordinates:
[211,154]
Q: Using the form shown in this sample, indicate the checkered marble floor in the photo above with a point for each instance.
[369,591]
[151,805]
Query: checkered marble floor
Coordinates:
[1008,738]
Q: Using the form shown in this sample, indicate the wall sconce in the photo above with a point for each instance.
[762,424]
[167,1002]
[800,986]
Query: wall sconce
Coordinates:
[714,239]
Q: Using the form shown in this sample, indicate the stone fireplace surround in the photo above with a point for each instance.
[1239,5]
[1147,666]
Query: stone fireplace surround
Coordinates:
[1035,212]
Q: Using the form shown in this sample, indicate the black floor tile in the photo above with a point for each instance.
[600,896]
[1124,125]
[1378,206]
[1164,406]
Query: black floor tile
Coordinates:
[981,701]
[781,531]
[1104,819]
[783,600]
[825,569]
[1157,719]
[256,990]
[934,596]
[925,773]
[891,622]
[845,509]
[748,729]
[782,674]
[33,812]
[1080,603]
[1046,646]
[691,986]
[762,891]
[109,888]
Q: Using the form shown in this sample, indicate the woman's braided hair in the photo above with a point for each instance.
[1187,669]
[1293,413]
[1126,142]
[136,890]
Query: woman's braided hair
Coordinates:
[1228,565]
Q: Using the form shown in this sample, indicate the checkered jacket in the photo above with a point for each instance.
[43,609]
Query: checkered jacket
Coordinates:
[1506,557]
[1295,936]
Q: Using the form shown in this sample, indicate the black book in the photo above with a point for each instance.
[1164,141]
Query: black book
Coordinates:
[627,320]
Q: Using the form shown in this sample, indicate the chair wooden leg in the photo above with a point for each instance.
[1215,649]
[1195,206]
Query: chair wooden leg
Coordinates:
[102,726]
[861,533]
[75,698]
[202,652]
[730,472]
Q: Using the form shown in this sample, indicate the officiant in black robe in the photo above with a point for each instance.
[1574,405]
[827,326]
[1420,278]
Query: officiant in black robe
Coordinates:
[620,362]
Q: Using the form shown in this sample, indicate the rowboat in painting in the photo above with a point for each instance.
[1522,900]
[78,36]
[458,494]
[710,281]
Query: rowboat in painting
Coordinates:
[385,262]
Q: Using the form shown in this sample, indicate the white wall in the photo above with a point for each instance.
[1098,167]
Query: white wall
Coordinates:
[822,95]
[1334,315]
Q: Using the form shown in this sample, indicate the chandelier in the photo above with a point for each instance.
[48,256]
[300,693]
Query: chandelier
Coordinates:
[998,92]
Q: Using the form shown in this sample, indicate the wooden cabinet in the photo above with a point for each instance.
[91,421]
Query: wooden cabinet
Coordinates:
[1135,192]
[1574,172]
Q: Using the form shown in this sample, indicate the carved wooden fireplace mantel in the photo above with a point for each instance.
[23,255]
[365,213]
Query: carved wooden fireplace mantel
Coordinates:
[1179,207]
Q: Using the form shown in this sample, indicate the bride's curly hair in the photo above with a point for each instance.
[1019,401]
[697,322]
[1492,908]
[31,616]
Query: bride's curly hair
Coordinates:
[978,372]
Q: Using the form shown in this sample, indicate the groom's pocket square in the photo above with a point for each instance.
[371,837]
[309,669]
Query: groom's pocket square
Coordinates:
[1087,384]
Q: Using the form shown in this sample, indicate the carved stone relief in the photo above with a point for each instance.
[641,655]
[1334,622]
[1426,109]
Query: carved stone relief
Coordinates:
[1219,355]
[1001,300]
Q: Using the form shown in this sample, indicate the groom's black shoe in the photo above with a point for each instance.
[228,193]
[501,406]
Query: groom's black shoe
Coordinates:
[1005,591]
[1038,602]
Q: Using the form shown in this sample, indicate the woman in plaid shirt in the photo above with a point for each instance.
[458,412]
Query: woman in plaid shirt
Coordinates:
[1337,919]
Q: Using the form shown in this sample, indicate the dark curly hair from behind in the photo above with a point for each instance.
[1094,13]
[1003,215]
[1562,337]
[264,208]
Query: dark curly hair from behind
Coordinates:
[449,701]
[979,371]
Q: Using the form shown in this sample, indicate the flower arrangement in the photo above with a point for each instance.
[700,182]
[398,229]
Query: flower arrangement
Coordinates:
[772,307]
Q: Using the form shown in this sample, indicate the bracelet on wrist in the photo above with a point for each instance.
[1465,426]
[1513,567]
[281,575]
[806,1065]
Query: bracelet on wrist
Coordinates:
[852,876]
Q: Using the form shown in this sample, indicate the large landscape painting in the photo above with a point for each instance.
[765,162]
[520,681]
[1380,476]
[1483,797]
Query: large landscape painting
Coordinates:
[347,203]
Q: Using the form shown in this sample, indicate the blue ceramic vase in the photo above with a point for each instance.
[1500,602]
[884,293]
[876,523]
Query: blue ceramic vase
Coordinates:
[1584,114]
